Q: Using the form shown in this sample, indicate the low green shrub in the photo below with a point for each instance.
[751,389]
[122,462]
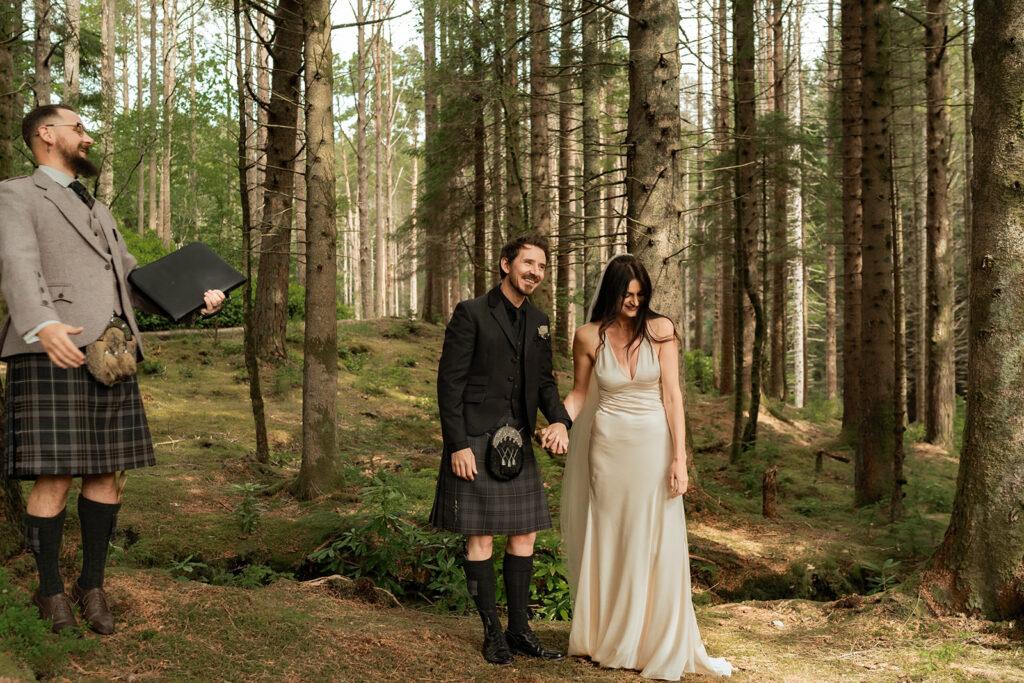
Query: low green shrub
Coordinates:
[700,371]
[28,639]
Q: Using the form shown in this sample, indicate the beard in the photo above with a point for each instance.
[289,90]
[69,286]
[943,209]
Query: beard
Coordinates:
[520,284]
[79,164]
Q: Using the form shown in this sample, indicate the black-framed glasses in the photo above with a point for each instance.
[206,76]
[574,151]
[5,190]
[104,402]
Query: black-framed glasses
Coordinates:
[78,125]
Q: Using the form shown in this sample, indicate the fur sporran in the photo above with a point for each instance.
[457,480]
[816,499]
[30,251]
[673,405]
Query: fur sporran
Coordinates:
[505,453]
[111,358]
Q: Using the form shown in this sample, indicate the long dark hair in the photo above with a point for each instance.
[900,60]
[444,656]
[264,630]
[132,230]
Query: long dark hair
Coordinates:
[622,270]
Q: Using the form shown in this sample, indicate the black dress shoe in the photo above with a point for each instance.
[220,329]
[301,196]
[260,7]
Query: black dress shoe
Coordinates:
[527,643]
[56,608]
[495,648]
[94,608]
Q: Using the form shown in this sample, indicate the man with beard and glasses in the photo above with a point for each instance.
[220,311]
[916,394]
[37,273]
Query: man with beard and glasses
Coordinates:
[64,271]
[495,370]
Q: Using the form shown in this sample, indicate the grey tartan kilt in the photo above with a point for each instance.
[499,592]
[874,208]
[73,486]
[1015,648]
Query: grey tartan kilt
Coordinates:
[65,422]
[487,506]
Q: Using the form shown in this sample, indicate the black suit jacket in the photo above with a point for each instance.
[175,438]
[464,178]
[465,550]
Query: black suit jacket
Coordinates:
[475,375]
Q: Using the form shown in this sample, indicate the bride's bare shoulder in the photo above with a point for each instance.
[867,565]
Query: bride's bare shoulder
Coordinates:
[588,334]
[661,329]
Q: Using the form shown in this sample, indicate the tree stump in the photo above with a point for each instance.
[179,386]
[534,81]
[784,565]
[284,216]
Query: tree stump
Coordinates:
[769,493]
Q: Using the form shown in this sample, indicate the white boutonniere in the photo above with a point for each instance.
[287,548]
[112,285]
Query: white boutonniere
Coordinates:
[544,333]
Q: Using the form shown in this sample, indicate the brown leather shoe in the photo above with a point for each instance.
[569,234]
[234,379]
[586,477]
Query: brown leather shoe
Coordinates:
[94,608]
[57,608]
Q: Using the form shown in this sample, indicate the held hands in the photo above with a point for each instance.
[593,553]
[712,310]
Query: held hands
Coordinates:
[59,347]
[214,299]
[555,438]
[678,479]
[464,464]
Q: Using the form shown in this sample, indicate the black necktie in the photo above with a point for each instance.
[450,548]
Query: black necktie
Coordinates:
[82,193]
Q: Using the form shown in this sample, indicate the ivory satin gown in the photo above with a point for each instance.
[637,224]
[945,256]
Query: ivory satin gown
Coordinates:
[632,607]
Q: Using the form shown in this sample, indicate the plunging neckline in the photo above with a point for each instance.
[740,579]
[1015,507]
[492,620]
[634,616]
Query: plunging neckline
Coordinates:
[625,373]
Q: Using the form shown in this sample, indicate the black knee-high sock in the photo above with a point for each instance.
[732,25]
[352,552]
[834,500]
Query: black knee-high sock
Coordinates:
[481,584]
[98,521]
[518,572]
[43,536]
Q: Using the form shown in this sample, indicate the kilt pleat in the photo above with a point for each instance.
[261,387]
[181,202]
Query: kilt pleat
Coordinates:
[65,422]
[487,506]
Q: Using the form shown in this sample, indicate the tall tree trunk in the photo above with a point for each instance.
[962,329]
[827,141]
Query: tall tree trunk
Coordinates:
[12,505]
[590,83]
[780,216]
[108,33]
[725,268]
[154,117]
[414,231]
[73,51]
[515,190]
[798,280]
[939,422]
[701,217]
[319,470]
[435,291]
[170,64]
[479,167]
[300,197]
[279,186]
[980,564]
[365,265]
[540,136]
[874,454]
[851,42]
[968,133]
[918,145]
[258,58]
[195,215]
[565,175]
[379,191]
[41,51]
[140,193]
[654,144]
[899,345]
[745,233]
[831,369]
[10,26]
[251,364]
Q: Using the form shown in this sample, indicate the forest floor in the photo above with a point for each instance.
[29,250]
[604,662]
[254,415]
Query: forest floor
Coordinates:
[210,577]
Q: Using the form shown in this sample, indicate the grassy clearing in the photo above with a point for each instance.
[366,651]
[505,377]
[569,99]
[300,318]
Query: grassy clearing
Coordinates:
[207,577]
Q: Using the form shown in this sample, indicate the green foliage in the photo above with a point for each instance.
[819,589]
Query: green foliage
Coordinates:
[353,356]
[395,553]
[820,410]
[881,578]
[151,366]
[188,568]
[249,510]
[28,638]
[549,590]
[700,371]
[941,656]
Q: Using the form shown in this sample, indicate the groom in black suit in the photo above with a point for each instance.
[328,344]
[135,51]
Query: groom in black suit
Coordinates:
[496,369]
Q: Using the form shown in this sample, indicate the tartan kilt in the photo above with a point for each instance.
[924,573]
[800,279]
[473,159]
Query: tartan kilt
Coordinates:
[64,422]
[487,506]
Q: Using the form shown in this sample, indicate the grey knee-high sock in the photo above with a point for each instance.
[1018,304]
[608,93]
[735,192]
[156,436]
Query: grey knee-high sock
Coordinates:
[98,521]
[482,587]
[518,572]
[43,536]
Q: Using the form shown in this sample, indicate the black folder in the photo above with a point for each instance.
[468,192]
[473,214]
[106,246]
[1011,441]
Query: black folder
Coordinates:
[176,282]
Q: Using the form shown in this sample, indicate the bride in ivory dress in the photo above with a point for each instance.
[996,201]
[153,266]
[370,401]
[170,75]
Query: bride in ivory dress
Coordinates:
[622,506]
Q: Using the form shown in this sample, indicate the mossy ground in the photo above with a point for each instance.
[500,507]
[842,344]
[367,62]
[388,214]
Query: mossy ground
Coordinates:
[762,587]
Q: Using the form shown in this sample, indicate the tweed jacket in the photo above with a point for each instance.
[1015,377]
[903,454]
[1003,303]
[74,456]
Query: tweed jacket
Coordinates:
[476,371]
[56,262]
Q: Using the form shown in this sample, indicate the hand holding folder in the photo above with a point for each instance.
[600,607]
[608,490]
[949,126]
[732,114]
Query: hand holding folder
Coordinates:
[176,283]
